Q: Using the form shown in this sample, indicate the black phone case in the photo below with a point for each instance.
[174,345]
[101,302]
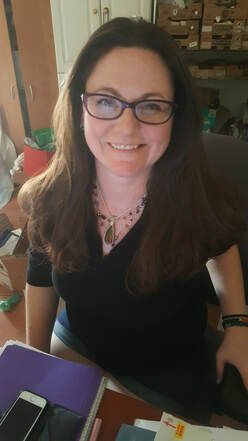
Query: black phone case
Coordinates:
[57,423]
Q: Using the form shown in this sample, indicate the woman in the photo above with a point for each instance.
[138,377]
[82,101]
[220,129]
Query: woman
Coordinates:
[125,218]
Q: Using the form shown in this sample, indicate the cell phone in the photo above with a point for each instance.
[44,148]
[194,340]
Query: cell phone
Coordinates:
[21,417]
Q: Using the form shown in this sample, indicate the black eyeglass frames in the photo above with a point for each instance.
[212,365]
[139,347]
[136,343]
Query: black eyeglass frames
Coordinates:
[108,107]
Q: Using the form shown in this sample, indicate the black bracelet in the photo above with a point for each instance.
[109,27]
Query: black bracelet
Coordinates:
[235,321]
[240,324]
[233,316]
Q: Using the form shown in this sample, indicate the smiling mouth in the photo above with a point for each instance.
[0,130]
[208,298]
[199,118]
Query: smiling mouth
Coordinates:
[124,146]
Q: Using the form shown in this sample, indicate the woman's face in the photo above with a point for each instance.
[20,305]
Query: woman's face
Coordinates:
[125,146]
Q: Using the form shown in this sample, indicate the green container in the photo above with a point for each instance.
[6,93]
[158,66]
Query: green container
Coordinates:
[44,138]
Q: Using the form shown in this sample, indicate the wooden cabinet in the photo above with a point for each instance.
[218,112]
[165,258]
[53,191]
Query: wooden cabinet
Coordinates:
[74,21]
[37,58]
[10,108]
[28,86]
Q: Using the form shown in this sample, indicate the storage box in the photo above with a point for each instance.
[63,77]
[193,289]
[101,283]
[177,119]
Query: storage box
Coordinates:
[221,42]
[192,11]
[221,10]
[189,42]
[236,42]
[13,269]
[181,27]
[219,72]
[234,71]
[245,41]
[203,73]
[225,27]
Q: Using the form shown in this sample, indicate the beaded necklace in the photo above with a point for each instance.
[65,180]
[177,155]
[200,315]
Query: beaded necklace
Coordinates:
[109,223]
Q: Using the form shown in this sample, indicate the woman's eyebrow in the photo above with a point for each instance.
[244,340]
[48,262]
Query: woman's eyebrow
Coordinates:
[115,92]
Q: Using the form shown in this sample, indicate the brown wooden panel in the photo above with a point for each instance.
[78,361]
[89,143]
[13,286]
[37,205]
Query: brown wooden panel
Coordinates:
[35,41]
[10,109]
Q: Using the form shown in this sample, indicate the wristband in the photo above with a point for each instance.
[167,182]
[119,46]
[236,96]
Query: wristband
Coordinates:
[233,316]
[238,320]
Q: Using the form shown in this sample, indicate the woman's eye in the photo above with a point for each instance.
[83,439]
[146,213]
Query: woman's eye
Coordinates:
[152,107]
[106,102]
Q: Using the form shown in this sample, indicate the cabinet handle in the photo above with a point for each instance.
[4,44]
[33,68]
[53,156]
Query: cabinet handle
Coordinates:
[31,92]
[105,15]
[12,91]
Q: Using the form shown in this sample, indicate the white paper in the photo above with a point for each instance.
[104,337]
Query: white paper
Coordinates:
[169,425]
[147,424]
[8,248]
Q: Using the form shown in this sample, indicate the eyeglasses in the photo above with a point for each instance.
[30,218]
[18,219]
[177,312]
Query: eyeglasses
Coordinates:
[109,107]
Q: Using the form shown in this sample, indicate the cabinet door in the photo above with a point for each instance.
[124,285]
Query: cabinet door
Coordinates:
[35,42]
[128,8]
[73,22]
[10,108]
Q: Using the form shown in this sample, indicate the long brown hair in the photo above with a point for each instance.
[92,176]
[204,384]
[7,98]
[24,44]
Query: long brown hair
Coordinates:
[188,217]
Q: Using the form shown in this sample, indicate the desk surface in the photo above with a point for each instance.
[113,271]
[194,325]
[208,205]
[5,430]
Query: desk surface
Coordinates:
[117,408]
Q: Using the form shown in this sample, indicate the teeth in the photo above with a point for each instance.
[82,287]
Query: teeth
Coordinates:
[124,147]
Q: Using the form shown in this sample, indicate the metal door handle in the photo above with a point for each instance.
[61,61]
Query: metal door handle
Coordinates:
[31,92]
[12,91]
[105,15]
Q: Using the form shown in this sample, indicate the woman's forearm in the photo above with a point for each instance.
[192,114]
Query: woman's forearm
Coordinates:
[226,274]
[41,308]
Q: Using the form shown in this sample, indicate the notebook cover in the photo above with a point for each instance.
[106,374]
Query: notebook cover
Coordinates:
[65,383]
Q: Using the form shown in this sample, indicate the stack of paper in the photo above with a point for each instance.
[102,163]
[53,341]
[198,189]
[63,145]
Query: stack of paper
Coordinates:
[171,428]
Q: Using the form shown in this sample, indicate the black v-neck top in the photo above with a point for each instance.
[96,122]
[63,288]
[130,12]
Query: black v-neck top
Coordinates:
[125,331]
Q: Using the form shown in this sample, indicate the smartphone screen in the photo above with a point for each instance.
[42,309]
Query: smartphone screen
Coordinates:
[20,419]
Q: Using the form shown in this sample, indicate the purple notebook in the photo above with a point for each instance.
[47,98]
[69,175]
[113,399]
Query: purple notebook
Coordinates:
[68,384]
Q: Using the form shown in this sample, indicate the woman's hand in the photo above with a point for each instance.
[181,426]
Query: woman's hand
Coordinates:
[234,350]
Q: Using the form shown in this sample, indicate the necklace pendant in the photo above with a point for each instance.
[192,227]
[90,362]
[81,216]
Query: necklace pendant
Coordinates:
[109,236]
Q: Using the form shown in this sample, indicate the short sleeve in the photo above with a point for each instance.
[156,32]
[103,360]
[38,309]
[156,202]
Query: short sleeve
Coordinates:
[223,248]
[39,272]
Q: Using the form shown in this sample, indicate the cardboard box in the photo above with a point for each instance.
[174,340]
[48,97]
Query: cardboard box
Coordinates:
[13,269]
[221,42]
[245,41]
[192,11]
[181,27]
[236,42]
[225,27]
[189,42]
[233,71]
[216,11]
[205,74]
[219,72]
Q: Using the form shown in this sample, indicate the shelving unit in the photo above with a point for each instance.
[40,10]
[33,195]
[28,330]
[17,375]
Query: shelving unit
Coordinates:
[232,91]
[224,72]
[209,54]
[222,65]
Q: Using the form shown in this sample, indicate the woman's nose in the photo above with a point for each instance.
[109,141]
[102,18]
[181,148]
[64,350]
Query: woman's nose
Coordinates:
[127,121]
